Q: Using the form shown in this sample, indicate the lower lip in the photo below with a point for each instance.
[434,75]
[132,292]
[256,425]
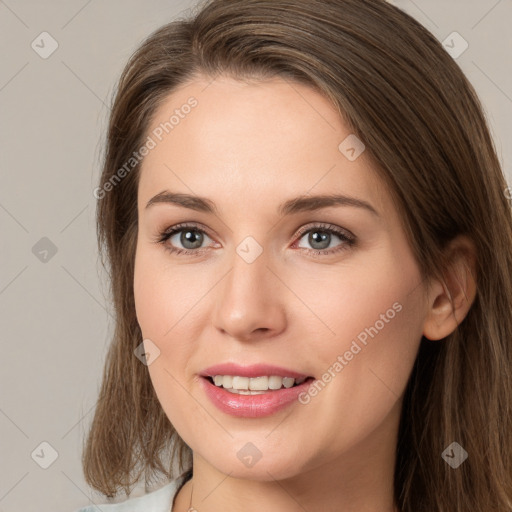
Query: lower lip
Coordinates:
[253,406]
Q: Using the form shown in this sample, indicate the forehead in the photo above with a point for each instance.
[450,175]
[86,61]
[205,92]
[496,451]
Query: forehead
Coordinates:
[257,142]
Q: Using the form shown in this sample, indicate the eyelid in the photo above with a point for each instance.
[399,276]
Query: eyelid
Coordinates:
[184,225]
[327,226]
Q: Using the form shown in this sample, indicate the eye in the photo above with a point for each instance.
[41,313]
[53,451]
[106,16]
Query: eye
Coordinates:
[189,236]
[321,236]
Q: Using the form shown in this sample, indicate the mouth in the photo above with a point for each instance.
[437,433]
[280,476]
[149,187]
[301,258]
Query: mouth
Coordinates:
[241,385]
[255,391]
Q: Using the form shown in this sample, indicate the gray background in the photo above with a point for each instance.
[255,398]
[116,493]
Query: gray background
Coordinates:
[55,315]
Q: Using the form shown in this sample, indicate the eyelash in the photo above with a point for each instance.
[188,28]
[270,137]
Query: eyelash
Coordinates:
[348,241]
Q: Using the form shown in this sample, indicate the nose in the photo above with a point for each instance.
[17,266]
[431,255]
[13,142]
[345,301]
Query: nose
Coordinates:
[250,300]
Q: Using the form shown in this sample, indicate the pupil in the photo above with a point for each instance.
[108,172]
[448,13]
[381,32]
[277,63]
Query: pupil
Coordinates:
[193,237]
[322,239]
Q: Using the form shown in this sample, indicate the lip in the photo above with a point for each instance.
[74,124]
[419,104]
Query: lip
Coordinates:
[254,370]
[253,406]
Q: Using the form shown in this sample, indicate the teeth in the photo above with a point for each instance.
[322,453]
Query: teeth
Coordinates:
[275,382]
[218,380]
[245,385]
[258,383]
[240,383]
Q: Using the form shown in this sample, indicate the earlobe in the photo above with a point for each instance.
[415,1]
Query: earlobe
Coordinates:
[450,300]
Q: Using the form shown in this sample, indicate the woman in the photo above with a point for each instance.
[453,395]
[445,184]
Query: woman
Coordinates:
[310,250]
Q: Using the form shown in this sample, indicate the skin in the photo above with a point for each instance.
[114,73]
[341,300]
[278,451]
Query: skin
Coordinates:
[248,148]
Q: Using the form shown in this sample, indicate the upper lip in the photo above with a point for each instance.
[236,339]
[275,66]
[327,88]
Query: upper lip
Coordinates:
[253,370]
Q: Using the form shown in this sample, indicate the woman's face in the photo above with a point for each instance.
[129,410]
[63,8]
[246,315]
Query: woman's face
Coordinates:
[325,290]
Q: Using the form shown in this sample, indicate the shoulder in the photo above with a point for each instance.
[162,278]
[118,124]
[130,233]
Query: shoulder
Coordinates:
[155,501]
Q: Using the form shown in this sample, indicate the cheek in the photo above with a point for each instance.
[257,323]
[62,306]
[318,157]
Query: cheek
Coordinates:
[160,299]
[373,328]
[166,304]
[375,319]
[373,296]
[160,313]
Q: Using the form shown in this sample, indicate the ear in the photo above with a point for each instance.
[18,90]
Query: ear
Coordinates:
[449,300]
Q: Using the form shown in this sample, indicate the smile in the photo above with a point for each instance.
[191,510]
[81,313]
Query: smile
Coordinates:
[247,403]
[255,385]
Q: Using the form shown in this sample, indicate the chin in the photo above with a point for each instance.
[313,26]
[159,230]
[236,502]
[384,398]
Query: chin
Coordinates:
[244,460]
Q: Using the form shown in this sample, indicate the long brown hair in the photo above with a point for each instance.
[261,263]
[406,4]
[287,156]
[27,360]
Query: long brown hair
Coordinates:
[421,121]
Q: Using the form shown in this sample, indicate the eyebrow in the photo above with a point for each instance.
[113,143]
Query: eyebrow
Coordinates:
[290,207]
